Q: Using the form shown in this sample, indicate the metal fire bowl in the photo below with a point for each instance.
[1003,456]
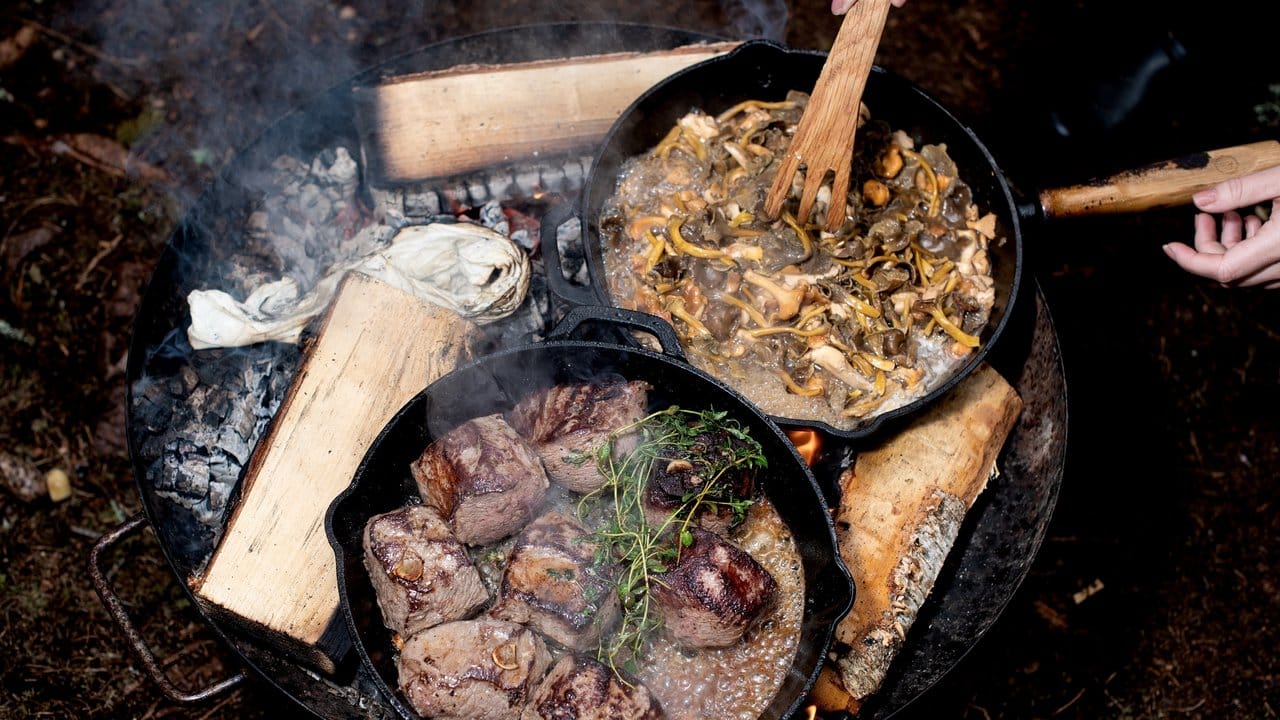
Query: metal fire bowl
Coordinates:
[992,555]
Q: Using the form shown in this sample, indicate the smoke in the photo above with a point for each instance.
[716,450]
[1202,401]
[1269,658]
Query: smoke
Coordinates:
[757,18]
[218,72]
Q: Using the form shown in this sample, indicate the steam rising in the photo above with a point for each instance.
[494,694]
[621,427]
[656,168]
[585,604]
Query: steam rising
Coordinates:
[218,73]
[757,18]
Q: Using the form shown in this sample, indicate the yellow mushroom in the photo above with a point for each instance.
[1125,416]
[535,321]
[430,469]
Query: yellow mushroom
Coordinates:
[788,299]
[833,361]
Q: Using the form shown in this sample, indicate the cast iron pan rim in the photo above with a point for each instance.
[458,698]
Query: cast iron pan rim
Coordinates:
[839,606]
[1012,218]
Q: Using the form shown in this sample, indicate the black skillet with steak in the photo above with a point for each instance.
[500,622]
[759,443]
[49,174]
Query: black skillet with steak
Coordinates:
[561,564]
[603,571]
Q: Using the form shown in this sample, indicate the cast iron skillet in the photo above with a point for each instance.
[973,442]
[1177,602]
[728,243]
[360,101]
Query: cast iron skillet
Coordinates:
[493,384]
[767,71]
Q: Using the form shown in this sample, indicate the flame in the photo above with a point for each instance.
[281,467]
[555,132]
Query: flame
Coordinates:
[807,443]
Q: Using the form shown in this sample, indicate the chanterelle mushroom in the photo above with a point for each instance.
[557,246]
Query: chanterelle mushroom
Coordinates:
[788,298]
[833,361]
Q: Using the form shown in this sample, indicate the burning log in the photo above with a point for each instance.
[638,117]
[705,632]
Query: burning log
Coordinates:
[447,123]
[901,506]
[273,569]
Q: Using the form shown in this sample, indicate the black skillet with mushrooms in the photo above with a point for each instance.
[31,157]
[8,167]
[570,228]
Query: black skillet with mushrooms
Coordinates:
[806,323]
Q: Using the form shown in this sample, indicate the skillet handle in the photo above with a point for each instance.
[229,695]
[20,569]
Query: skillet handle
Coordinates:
[116,609]
[652,324]
[1162,184]
[565,290]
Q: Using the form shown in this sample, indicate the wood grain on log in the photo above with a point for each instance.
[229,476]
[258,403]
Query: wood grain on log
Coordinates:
[274,571]
[901,506]
[442,124]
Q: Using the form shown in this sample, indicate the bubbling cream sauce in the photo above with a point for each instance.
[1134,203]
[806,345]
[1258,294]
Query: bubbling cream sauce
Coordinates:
[736,682]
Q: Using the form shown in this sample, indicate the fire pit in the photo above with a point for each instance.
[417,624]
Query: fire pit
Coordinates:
[196,416]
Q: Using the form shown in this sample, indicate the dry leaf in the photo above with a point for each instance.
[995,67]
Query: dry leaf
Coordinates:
[15,46]
[103,153]
[22,477]
[17,247]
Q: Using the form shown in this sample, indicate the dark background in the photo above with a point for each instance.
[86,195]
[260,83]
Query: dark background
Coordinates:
[1167,509]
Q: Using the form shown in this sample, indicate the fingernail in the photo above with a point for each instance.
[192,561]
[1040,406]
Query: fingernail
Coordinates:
[1167,250]
[1204,197]
[840,7]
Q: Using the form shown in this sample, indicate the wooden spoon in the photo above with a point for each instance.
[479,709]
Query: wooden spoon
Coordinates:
[824,138]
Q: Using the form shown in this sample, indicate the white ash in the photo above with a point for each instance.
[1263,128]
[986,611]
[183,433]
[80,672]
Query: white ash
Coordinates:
[573,265]
[203,431]
[428,200]
[202,414]
[312,226]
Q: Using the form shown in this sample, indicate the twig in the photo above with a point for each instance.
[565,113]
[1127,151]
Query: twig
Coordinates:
[1070,702]
[93,262]
[87,48]
[38,202]
[86,532]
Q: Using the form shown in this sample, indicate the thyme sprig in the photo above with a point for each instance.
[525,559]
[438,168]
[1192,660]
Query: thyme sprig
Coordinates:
[713,444]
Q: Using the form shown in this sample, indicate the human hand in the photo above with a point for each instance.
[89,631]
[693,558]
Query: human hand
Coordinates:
[1247,252]
[840,7]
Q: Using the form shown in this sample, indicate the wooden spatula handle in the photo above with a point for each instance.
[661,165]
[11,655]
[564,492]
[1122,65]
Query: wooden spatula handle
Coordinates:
[854,49]
[824,137]
[1163,184]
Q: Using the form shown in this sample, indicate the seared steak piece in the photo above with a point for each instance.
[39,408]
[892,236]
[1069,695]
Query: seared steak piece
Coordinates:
[480,669]
[580,688]
[483,479]
[713,594]
[552,583]
[566,423]
[421,574]
[703,466]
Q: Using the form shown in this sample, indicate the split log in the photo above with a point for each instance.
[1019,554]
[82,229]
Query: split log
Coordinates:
[901,506]
[274,571]
[446,123]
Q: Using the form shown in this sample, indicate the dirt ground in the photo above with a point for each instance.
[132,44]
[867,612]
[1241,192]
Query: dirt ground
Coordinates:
[1156,594]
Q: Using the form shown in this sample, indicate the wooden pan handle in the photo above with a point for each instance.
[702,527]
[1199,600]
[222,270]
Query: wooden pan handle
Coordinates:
[1163,184]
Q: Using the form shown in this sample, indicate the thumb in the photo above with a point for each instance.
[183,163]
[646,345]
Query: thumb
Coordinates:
[840,7]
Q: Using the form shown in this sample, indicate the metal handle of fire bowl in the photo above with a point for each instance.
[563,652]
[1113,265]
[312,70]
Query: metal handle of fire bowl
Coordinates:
[117,611]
